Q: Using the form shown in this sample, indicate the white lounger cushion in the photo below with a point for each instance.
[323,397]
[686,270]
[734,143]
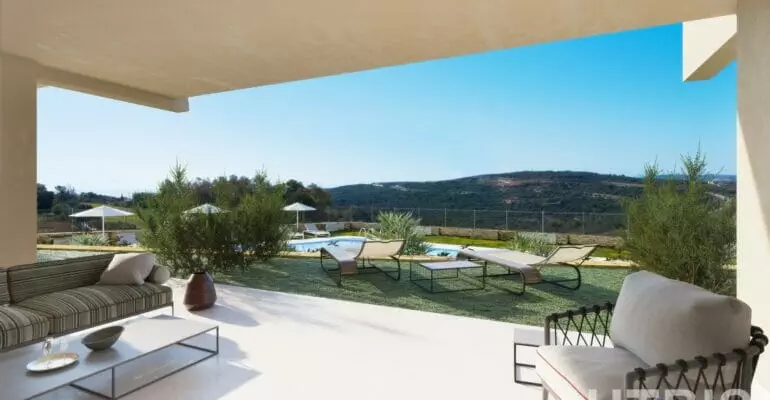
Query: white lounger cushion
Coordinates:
[663,320]
[381,249]
[571,372]
[312,229]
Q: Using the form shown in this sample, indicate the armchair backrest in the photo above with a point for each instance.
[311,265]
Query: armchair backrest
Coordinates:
[660,320]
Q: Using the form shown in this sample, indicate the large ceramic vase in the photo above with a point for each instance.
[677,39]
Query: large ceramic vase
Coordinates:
[200,293]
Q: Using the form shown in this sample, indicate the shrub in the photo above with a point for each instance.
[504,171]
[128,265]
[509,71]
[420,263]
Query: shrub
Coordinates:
[186,243]
[532,244]
[677,229]
[392,225]
[119,225]
[90,239]
[259,222]
[214,242]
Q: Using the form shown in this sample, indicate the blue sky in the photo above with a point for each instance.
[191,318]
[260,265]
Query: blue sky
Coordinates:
[606,104]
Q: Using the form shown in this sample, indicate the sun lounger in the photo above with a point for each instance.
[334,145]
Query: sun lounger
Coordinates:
[528,266]
[313,230]
[334,226]
[357,261]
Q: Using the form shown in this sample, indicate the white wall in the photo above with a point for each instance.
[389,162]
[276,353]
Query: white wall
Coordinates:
[753,51]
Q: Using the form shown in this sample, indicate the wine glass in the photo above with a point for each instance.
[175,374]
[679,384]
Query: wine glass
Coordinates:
[63,344]
[47,346]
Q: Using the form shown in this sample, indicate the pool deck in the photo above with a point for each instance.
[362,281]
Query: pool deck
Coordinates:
[282,346]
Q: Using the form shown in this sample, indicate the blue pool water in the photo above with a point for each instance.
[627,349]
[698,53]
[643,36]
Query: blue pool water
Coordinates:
[354,242]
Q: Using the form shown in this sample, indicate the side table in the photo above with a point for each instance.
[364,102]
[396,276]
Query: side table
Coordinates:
[525,343]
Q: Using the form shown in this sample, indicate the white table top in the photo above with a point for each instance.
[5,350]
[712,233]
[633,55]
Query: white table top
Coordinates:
[531,336]
[459,264]
[141,336]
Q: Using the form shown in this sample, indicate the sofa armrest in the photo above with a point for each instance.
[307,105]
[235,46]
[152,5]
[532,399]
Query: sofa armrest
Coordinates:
[585,326]
[719,372]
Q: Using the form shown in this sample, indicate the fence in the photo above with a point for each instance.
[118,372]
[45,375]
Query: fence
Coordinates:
[534,221]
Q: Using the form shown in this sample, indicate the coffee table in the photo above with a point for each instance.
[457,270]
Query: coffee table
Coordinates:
[141,338]
[440,266]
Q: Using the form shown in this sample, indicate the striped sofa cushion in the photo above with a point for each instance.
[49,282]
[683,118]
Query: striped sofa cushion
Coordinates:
[26,281]
[5,294]
[18,325]
[87,306]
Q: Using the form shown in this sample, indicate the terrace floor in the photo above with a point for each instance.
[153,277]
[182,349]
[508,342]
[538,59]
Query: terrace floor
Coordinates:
[287,346]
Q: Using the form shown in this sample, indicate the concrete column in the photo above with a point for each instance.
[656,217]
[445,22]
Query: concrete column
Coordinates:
[753,53]
[18,160]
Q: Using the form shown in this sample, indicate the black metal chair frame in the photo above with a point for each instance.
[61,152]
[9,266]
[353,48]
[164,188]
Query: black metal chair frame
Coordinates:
[591,327]
[512,273]
[432,278]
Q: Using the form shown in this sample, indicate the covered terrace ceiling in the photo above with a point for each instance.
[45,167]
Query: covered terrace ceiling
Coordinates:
[154,52]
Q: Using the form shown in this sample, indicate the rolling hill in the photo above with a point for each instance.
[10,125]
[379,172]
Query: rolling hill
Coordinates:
[554,191]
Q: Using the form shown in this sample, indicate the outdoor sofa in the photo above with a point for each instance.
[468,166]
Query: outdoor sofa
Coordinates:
[55,298]
[660,335]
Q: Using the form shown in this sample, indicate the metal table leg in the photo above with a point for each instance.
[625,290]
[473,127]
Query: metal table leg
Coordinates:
[114,396]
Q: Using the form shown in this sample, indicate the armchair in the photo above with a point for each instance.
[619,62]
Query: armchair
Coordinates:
[661,335]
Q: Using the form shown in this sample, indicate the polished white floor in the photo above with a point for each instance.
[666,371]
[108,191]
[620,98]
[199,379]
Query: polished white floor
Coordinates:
[283,346]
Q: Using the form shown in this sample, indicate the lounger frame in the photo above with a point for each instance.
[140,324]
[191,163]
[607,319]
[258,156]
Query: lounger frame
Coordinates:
[349,265]
[512,271]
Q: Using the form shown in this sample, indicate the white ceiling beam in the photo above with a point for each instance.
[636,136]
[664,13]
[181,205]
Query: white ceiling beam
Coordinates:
[708,46]
[67,80]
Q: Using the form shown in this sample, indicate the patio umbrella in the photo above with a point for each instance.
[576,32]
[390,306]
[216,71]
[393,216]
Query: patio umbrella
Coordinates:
[298,207]
[205,209]
[103,212]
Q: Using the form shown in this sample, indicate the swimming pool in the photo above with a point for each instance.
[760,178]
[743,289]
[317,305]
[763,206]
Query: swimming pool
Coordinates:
[354,243]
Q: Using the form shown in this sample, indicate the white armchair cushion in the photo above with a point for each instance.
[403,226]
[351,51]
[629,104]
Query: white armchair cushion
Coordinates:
[572,372]
[662,320]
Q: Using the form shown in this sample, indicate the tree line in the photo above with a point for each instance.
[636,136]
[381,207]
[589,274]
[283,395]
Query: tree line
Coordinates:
[224,191]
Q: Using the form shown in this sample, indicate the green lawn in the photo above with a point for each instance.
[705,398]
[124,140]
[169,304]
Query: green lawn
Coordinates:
[304,276]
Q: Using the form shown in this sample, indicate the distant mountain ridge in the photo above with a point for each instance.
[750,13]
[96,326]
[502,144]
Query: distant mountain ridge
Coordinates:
[712,177]
[554,191]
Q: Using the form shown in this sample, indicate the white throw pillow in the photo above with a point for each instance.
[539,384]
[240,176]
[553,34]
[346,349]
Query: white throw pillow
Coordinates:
[159,275]
[128,269]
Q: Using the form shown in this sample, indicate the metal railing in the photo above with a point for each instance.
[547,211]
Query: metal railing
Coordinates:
[533,221]
[515,220]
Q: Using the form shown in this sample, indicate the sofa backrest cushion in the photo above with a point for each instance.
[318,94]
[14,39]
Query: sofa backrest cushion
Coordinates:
[662,320]
[25,281]
[5,294]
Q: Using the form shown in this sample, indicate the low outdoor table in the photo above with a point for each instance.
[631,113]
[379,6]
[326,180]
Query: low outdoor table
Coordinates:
[440,266]
[525,343]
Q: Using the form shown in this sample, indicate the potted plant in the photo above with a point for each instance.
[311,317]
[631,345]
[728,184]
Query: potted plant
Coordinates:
[189,242]
[201,240]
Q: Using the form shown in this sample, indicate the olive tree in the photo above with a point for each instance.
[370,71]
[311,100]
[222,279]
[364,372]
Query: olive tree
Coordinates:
[679,229]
